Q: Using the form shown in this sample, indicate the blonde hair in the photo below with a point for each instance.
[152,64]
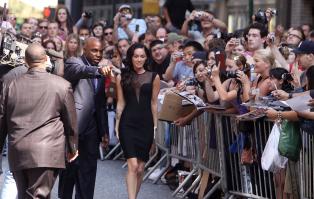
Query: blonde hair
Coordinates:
[266,56]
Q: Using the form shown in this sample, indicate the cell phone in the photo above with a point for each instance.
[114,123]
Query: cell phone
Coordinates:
[137,28]
[220,58]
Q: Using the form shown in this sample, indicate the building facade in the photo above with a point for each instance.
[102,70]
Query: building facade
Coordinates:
[236,13]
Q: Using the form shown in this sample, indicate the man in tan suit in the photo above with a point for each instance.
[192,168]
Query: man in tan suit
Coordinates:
[37,112]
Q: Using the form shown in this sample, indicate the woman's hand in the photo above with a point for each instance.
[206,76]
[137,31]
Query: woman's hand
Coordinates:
[117,132]
[270,40]
[181,86]
[295,82]
[271,113]
[243,78]
[192,16]
[231,44]
[280,94]
[116,19]
[182,121]
[215,72]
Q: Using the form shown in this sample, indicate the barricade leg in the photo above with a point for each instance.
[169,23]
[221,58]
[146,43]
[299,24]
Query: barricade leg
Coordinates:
[185,181]
[194,184]
[112,151]
[152,158]
[125,165]
[118,156]
[213,189]
[166,155]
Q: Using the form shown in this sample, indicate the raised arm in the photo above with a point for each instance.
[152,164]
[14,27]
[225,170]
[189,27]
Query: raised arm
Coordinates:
[167,17]
[170,69]
[185,26]
[224,95]
[211,95]
[75,69]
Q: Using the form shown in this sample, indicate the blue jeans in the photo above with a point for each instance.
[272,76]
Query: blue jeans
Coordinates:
[9,190]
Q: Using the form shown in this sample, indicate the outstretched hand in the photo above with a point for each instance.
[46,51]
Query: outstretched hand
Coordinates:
[104,67]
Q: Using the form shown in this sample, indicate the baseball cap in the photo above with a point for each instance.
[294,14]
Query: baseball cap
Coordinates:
[200,55]
[305,47]
[172,37]
[124,6]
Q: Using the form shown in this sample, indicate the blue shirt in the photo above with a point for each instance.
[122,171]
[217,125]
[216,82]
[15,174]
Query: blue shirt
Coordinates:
[132,25]
[182,71]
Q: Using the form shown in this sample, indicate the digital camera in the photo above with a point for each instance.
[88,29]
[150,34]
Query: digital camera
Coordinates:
[191,82]
[260,16]
[198,15]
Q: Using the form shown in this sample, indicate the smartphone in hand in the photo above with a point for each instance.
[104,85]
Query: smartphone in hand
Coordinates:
[137,28]
[221,59]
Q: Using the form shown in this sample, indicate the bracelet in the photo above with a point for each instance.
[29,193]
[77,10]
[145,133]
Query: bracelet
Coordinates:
[155,129]
[279,116]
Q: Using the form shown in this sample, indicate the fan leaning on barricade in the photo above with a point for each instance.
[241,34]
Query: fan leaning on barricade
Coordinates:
[180,70]
[305,56]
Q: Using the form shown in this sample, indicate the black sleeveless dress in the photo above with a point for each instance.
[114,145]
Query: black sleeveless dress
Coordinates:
[136,128]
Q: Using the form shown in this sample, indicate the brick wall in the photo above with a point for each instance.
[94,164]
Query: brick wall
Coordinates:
[302,12]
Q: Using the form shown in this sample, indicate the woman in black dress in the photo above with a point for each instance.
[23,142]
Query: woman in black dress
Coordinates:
[136,117]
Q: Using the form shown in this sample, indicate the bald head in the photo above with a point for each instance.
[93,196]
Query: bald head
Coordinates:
[93,49]
[91,41]
[35,54]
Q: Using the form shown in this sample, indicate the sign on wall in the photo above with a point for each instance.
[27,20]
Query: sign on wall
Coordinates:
[151,7]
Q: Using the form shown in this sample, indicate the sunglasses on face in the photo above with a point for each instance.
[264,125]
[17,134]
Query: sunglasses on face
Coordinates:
[108,33]
[43,27]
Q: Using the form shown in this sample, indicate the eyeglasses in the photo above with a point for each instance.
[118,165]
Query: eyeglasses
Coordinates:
[43,27]
[294,35]
[108,33]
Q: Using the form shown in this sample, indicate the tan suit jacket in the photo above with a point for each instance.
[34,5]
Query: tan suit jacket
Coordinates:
[37,111]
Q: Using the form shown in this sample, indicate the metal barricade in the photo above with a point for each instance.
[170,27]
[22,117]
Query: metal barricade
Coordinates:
[246,179]
[306,166]
[161,146]
[213,143]
[183,146]
[210,156]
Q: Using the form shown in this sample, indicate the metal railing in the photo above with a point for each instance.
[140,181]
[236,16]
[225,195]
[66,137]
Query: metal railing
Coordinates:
[214,143]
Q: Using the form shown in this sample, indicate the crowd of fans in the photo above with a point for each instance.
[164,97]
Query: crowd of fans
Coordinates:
[195,54]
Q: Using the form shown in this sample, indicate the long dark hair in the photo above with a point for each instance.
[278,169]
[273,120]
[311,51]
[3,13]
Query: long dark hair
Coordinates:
[310,78]
[103,29]
[128,72]
[198,63]
[282,74]
[69,21]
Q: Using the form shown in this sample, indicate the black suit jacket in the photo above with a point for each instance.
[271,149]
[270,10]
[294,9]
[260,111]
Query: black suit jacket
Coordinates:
[90,103]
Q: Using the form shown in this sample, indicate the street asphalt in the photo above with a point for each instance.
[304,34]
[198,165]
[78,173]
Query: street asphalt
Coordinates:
[110,183]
